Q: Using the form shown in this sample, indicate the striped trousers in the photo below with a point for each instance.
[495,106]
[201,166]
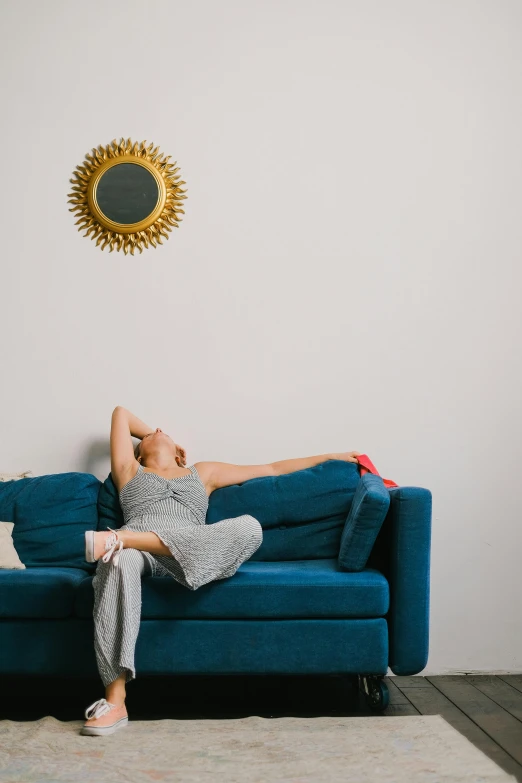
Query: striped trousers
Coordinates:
[118,601]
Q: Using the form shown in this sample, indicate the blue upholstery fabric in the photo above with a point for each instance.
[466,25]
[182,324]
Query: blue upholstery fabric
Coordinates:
[49,647]
[39,592]
[367,514]
[402,554]
[51,514]
[298,589]
[109,509]
[302,513]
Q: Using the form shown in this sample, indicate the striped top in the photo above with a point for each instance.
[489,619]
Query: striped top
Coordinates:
[183,499]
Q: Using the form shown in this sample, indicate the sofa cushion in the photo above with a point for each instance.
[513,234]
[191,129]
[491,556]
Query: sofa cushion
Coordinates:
[109,509]
[302,513]
[39,592]
[367,514]
[51,514]
[295,589]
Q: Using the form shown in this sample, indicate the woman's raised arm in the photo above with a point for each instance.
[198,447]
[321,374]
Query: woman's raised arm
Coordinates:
[124,424]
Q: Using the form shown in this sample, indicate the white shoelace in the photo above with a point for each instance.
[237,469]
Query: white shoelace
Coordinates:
[98,708]
[111,544]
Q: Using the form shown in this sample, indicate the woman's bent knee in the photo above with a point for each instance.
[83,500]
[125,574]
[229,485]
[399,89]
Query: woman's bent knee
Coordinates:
[129,560]
[131,556]
[255,531]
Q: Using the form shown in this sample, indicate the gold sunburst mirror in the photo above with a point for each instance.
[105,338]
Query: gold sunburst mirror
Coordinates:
[127,196]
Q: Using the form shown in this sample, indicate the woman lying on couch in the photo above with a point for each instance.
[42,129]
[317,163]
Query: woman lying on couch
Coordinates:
[164,506]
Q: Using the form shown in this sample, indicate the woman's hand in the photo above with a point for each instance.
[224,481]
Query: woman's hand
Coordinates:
[347,456]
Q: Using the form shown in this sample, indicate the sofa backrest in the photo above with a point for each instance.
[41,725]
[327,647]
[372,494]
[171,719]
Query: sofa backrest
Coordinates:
[302,513]
[51,514]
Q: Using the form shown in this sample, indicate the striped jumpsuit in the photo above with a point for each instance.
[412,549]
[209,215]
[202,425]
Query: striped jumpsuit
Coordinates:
[174,509]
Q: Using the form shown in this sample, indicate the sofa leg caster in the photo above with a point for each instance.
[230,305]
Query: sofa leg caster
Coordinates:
[375,691]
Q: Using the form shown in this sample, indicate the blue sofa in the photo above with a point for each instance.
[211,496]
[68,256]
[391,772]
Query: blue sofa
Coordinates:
[290,609]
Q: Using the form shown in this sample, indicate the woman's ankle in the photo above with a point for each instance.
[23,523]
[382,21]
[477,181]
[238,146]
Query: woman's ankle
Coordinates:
[117,702]
[115,692]
[115,698]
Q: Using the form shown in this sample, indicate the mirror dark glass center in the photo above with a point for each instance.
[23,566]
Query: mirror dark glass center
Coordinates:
[127,193]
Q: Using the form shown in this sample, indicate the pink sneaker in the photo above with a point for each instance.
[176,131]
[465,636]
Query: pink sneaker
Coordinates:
[98,542]
[105,725]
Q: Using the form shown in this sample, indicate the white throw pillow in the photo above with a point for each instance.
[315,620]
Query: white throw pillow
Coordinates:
[14,476]
[8,554]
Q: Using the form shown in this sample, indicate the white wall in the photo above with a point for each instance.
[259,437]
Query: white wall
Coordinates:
[347,275]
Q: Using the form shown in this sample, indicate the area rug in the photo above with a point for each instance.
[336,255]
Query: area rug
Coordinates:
[410,749]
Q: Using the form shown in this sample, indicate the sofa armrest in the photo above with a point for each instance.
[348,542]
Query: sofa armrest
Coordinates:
[402,553]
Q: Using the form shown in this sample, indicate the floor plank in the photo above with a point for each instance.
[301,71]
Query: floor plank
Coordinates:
[430,701]
[410,682]
[515,680]
[500,692]
[399,710]
[398,699]
[396,695]
[490,716]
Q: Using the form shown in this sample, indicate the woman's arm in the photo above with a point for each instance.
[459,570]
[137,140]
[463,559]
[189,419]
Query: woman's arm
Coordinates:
[222,474]
[123,463]
[137,427]
[301,463]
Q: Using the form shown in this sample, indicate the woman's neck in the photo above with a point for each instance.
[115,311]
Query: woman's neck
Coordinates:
[160,466]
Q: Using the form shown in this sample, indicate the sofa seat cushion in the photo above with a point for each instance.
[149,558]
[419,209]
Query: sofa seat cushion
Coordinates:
[293,589]
[39,592]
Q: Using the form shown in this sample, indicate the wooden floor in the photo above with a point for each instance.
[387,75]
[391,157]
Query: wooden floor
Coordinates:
[487,710]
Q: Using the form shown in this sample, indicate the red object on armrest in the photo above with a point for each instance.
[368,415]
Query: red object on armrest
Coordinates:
[367,466]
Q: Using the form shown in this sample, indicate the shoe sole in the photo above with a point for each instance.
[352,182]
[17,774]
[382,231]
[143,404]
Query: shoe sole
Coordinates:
[89,546]
[100,731]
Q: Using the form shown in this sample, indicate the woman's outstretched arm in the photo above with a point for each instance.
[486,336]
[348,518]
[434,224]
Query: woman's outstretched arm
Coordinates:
[289,465]
[222,474]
